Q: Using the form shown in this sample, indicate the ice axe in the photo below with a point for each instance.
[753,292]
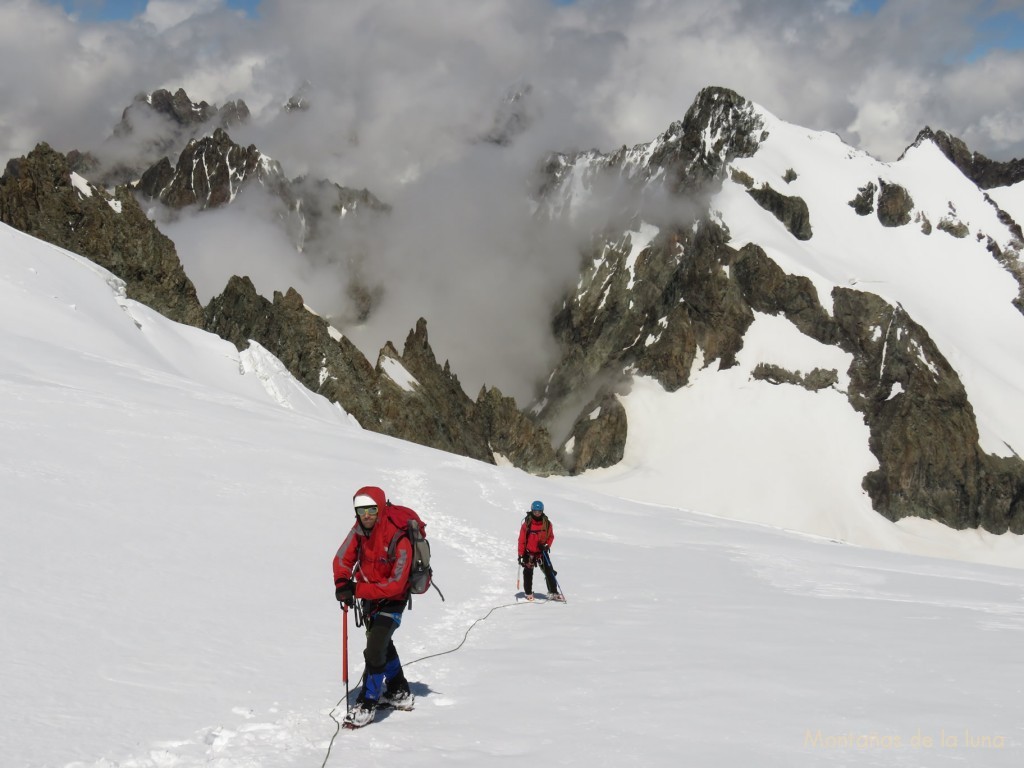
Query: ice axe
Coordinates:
[344,652]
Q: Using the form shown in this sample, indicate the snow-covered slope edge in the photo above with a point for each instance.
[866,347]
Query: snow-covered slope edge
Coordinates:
[86,314]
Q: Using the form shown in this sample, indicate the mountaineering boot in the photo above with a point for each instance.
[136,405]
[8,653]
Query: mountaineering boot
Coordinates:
[529,596]
[361,714]
[556,597]
[399,698]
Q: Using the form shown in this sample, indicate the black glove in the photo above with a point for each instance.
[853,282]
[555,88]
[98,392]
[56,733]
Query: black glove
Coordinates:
[345,593]
[544,548]
[523,560]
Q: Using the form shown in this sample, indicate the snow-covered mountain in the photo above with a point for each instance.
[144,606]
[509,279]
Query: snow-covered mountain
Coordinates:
[742,278]
[172,506]
[740,253]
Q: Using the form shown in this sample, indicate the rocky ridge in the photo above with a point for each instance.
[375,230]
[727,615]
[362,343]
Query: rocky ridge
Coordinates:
[975,166]
[153,126]
[40,195]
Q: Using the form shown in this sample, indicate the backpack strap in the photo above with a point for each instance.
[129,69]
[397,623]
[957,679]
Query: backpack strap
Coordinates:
[391,556]
[397,538]
[544,517]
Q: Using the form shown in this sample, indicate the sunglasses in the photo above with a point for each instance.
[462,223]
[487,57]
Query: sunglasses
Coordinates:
[364,511]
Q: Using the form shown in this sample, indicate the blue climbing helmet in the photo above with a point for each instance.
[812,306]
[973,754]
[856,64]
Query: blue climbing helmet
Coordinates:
[537,506]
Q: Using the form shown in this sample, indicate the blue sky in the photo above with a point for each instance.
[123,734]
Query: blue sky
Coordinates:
[1001,30]
[114,10]
[998,29]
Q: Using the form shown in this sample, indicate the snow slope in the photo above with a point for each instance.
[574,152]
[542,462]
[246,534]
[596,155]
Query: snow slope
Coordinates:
[172,508]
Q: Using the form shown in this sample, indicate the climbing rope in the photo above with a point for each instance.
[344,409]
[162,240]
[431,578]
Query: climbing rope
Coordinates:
[465,637]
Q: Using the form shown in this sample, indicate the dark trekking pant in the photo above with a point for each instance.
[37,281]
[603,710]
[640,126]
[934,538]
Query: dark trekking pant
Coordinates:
[549,574]
[382,662]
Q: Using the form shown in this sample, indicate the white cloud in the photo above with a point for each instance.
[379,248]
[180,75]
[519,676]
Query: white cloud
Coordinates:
[410,80]
[400,91]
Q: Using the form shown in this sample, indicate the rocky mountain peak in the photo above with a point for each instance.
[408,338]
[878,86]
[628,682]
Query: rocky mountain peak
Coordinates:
[688,159]
[300,100]
[512,117]
[178,109]
[718,127]
[210,172]
[975,166]
[154,126]
[212,169]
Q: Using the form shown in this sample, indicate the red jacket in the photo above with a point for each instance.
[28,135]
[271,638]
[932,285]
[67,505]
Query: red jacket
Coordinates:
[535,533]
[363,556]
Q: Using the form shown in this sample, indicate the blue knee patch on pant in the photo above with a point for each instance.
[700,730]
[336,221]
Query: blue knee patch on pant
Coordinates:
[373,686]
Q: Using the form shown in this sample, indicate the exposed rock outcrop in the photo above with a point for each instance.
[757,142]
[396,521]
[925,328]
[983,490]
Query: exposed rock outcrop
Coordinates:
[689,160]
[152,127]
[767,288]
[1009,258]
[437,409]
[408,395]
[894,205]
[650,317]
[598,438]
[923,429]
[817,379]
[512,435]
[687,297]
[513,116]
[301,340]
[179,110]
[681,297]
[791,211]
[864,202]
[209,173]
[322,219]
[39,196]
[981,170]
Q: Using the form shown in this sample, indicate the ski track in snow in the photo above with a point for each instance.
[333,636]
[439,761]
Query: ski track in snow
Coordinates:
[470,545]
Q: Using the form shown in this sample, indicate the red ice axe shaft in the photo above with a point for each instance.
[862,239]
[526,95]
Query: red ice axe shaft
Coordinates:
[344,652]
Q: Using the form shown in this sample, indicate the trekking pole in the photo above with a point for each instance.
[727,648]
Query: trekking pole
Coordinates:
[554,573]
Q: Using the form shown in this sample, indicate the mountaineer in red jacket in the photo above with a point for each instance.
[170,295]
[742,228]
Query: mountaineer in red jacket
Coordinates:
[364,571]
[536,536]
